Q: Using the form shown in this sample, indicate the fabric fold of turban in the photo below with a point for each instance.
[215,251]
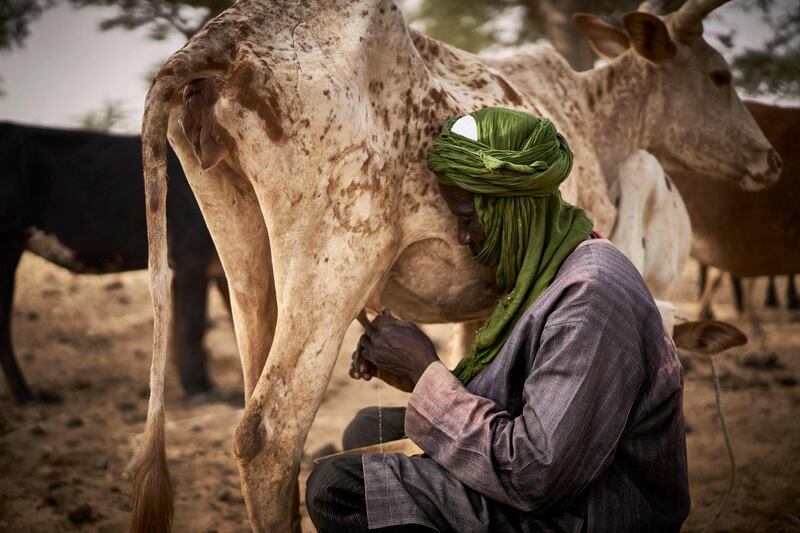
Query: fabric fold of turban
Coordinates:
[514,169]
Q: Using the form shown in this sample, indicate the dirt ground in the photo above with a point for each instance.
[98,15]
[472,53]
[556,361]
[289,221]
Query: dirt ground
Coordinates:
[85,342]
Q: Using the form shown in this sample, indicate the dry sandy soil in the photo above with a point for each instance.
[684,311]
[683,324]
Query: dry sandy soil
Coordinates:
[85,341]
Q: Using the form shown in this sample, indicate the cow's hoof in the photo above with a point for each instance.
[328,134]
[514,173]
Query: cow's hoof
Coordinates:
[199,398]
[27,398]
[49,397]
[24,396]
[216,395]
[197,387]
[706,314]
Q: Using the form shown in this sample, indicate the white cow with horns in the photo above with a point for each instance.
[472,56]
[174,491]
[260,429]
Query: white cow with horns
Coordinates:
[303,129]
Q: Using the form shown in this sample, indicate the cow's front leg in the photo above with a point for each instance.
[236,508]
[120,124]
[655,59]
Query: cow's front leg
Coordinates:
[9,259]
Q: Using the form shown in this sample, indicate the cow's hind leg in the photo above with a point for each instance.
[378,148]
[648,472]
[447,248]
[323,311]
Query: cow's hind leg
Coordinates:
[713,280]
[703,275]
[792,300]
[738,294]
[771,299]
[9,259]
[236,224]
[758,335]
[189,298]
[269,440]
[224,291]
[320,288]
[231,211]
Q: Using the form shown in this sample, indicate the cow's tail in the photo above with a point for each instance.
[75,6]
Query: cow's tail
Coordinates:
[152,487]
[202,56]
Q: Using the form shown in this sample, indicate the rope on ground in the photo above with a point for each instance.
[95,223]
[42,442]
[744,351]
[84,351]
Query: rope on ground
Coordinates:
[731,455]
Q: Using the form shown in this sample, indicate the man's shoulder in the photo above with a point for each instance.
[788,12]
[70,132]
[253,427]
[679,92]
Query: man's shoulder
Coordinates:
[598,284]
[597,263]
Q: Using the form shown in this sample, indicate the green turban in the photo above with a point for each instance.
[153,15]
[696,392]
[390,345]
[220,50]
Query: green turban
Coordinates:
[514,169]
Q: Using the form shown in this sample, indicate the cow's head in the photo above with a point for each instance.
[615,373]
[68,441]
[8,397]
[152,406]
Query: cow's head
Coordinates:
[695,120]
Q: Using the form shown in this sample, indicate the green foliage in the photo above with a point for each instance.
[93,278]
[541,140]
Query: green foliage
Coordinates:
[461,23]
[469,24]
[476,24]
[775,69]
[760,72]
[15,16]
[109,116]
[161,17]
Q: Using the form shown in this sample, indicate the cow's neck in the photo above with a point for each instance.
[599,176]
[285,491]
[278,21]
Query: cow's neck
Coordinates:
[616,98]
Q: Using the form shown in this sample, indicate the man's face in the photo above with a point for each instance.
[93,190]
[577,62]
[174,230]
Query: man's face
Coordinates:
[462,205]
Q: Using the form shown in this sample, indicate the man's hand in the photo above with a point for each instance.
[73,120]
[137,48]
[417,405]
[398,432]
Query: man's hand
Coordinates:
[399,349]
[360,368]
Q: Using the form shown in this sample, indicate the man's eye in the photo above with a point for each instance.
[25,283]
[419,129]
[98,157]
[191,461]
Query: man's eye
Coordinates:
[721,78]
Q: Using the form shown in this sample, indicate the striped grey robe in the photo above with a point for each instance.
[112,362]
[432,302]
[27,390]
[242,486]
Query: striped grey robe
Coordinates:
[576,425]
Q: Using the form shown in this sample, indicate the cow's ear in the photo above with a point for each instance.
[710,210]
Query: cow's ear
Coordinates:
[649,37]
[607,41]
[707,336]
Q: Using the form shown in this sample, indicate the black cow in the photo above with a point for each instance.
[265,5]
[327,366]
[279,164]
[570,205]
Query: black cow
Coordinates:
[76,198]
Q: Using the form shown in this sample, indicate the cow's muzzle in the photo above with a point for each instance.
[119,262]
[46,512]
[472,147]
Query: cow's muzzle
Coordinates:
[766,175]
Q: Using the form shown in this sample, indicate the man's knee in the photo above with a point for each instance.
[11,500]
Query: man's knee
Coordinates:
[363,430]
[317,485]
[335,496]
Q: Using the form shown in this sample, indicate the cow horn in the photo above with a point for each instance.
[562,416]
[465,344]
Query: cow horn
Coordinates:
[660,7]
[645,7]
[687,23]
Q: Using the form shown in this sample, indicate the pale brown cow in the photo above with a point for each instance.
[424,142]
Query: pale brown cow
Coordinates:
[303,129]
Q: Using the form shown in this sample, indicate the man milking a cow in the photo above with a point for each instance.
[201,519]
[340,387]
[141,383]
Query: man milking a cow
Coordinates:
[566,415]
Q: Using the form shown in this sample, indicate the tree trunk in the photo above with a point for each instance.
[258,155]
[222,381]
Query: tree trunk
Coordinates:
[555,19]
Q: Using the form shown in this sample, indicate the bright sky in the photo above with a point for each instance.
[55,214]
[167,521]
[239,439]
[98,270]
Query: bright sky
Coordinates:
[68,66]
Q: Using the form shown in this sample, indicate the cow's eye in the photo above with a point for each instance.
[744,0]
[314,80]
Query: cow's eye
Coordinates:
[721,78]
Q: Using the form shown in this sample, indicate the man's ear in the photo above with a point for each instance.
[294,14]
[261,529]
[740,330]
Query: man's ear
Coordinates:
[649,37]
[607,41]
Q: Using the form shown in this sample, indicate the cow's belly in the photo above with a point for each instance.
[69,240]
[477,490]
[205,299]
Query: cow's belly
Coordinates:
[84,253]
[435,280]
